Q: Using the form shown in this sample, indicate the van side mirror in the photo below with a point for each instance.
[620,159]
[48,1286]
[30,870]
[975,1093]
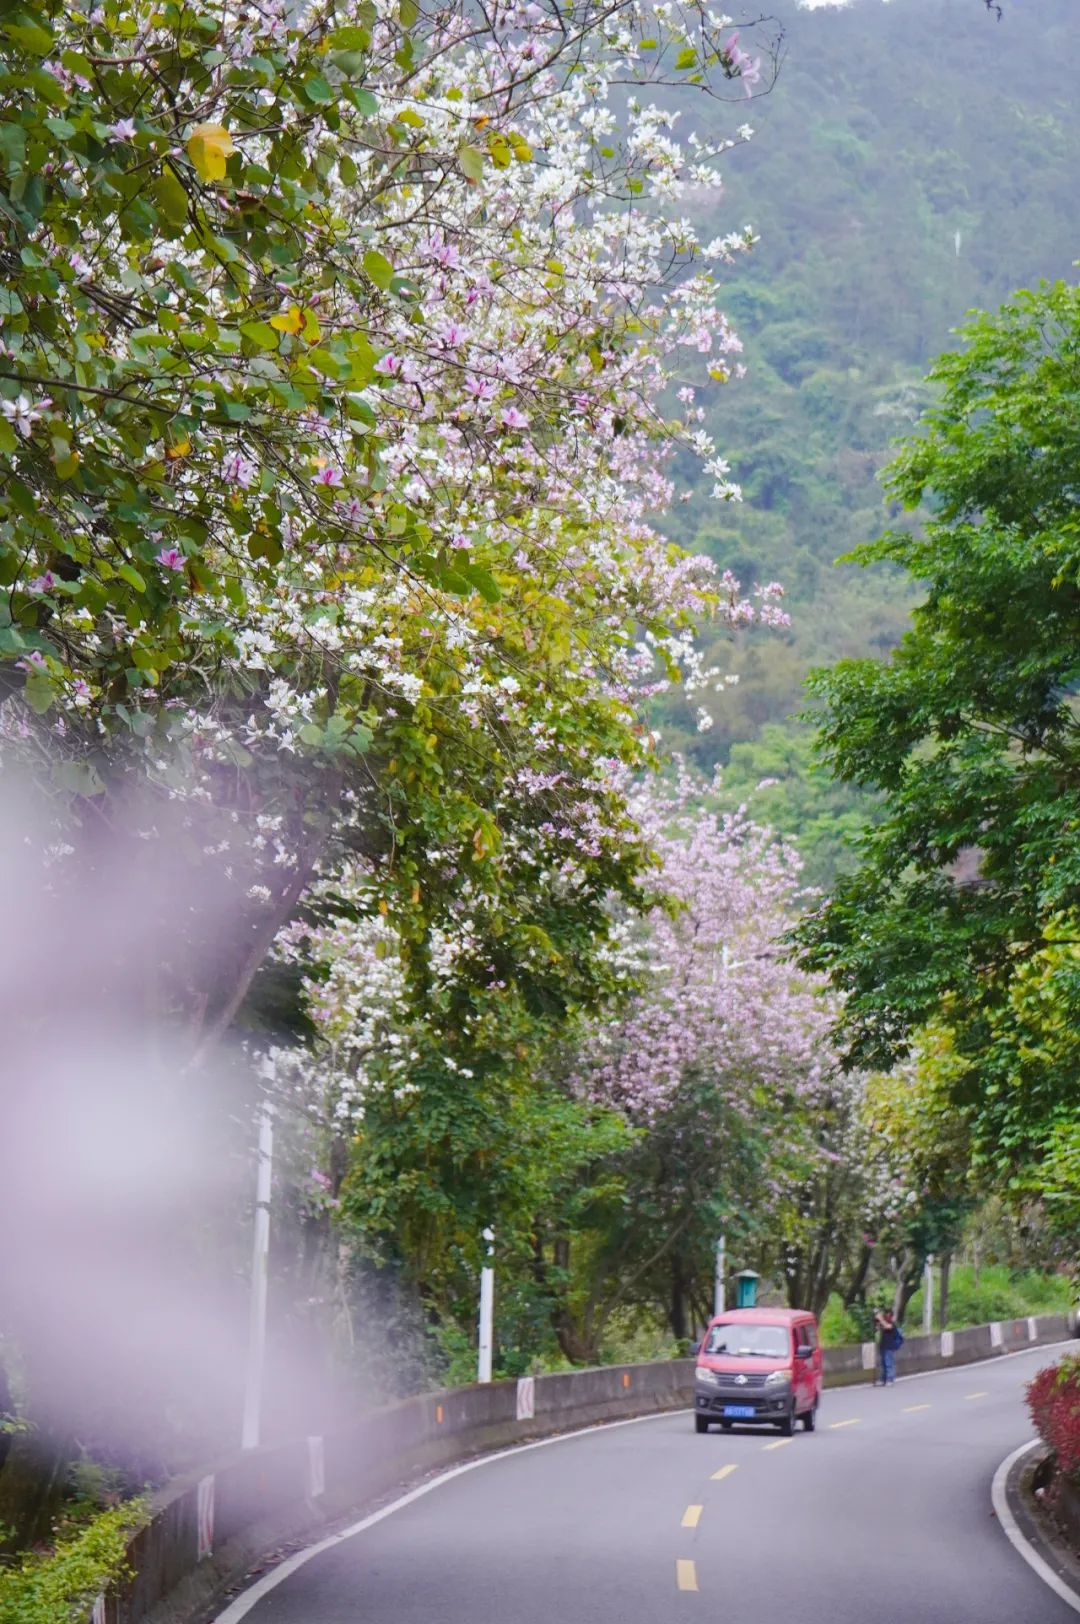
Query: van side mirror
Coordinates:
[803,1352]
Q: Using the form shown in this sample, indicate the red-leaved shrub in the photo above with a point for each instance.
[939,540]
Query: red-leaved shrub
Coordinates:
[1054,1401]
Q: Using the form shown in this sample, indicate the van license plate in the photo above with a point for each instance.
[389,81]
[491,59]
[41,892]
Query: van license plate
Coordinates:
[739,1411]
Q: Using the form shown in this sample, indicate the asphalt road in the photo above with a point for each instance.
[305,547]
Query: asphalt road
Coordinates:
[880,1517]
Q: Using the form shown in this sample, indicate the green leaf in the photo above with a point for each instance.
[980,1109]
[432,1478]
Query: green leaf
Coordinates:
[687,58]
[379,268]
[485,583]
[28,33]
[363,360]
[78,778]
[471,160]
[260,333]
[170,196]
[317,90]
[39,691]
[128,573]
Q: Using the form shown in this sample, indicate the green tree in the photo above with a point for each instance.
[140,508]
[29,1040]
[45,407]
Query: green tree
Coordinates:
[966,896]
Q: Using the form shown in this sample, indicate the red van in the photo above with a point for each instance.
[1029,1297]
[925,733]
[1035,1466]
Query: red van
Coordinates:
[759,1365]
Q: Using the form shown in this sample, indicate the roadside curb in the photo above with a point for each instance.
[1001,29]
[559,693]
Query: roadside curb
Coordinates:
[1041,1549]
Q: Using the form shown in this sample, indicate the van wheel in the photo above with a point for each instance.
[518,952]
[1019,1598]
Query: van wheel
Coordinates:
[787,1425]
[809,1420]
[700,1424]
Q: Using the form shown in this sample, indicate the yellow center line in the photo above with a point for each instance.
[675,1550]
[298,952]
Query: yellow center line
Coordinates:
[685,1573]
[725,1471]
[853,1422]
[977,1395]
[909,1409]
[780,1442]
[692,1516]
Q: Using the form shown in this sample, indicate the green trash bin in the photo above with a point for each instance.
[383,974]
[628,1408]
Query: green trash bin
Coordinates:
[746,1288]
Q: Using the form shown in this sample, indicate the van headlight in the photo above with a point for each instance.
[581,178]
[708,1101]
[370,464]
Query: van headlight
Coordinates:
[709,1377]
[778,1378]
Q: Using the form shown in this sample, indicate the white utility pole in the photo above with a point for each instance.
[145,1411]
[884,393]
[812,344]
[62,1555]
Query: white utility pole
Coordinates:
[928,1296]
[721,1272]
[253,1381]
[487,1313]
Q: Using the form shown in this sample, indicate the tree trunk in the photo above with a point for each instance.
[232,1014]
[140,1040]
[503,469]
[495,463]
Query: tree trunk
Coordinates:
[943,1308]
[856,1286]
[677,1312]
[32,1484]
[7,1416]
[908,1273]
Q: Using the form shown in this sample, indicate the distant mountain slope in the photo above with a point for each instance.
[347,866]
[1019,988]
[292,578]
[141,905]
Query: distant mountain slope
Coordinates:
[914,160]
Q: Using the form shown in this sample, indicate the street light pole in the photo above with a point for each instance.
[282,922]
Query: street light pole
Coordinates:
[928,1295]
[487,1313]
[253,1381]
[721,1272]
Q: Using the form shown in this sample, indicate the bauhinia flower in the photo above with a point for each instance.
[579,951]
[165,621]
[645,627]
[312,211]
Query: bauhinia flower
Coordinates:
[22,414]
[170,559]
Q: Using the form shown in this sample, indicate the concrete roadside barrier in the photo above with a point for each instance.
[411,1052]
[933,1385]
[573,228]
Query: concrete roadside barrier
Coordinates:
[206,1531]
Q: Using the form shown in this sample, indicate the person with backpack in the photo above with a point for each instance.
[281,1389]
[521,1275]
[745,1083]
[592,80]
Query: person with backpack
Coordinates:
[890,1340]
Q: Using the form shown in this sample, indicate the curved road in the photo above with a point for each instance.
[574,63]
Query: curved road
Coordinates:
[881,1517]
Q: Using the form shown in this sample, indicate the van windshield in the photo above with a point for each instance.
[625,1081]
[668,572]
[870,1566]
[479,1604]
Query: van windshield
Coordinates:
[756,1341]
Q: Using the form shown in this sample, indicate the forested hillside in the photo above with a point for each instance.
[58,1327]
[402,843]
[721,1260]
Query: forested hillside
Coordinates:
[914,160]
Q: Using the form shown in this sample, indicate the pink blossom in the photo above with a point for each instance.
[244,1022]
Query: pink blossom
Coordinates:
[389,365]
[443,252]
[123,129]
[42,583]
[170,559]
[513,419]
[329,476]
[480,388]
[239,470]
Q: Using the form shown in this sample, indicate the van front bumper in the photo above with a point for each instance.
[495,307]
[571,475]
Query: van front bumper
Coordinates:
[765,1407]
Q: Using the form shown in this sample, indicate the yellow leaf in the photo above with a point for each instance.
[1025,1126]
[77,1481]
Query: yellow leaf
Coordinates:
[182,448]
[209,146]
[291,322]
[384,907]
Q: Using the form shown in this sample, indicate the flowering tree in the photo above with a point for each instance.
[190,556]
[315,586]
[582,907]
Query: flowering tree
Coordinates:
[721,1062]
[343,350]
[336,350]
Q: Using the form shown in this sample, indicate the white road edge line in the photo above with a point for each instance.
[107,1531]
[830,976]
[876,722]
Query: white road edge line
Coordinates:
[241,1607]
[243,1604]
[1016,1538]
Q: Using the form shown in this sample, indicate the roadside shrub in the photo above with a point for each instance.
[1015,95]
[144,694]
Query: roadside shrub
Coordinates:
[1053,1398]
[60,1586]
